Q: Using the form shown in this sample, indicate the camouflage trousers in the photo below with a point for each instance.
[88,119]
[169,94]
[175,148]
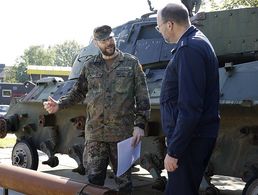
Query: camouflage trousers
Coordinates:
[96,157]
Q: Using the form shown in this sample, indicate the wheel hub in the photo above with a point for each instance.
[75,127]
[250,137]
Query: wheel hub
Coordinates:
[20,159]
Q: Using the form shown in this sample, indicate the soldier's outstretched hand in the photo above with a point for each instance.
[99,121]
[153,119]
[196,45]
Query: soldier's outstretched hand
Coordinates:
[137,134]
[51,105]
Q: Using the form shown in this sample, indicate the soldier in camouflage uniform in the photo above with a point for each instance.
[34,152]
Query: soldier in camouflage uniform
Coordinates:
[114,87]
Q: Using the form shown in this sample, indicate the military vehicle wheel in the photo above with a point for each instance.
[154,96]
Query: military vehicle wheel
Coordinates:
[25,155]
[251,187]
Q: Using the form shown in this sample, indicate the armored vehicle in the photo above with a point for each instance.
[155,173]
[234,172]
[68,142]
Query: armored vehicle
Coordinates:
[234,36]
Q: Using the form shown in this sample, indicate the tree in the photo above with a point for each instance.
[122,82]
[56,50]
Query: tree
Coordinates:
[34,55]
[16,74]
[64,53]
[21,73]
[232,4]
[37,55]
[58,55]
[10,76]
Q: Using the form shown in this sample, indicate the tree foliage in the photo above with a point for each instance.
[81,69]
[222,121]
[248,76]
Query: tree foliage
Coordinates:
[38,55]
[21,73]
[65,53]
[58,55]
[16,73]
[231,4]
[10,76]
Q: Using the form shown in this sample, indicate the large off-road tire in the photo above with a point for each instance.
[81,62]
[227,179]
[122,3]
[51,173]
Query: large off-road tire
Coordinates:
[251,187]
[25,155]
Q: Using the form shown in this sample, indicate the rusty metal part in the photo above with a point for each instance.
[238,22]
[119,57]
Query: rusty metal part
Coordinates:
[19,179]
[3,128]
[79,122]
[29,128]
[49,146]
[47,120]
[52,161]
[13,123]
[76,152]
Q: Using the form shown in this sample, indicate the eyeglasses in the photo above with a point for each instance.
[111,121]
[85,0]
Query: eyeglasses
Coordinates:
[158,26]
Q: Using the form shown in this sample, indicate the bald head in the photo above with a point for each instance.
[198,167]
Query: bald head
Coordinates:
[173,21]
[176,12]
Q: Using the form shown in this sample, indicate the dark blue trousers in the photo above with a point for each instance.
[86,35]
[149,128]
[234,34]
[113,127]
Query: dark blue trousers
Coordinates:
[186,179]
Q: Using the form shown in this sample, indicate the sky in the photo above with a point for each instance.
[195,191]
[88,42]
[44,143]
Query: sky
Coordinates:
[24,23]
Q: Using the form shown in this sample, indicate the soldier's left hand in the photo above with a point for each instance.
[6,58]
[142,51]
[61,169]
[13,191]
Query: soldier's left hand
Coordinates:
[137,134]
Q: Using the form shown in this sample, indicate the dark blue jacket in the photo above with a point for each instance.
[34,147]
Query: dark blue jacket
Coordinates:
[189,97]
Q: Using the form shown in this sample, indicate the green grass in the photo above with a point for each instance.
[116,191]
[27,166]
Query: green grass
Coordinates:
[7,142]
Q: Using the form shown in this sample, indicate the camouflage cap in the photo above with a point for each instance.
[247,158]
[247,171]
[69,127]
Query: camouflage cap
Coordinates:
[102,32]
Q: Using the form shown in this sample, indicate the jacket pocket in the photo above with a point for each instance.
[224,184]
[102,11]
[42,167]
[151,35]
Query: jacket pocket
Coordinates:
[169,117]
[95,81]
[124,80]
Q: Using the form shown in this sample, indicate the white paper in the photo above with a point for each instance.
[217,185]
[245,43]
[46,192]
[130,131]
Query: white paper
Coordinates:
[127,155]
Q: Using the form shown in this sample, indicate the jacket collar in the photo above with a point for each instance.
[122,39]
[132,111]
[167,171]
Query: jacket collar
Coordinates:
[189,31]
[100,62]
[183,41]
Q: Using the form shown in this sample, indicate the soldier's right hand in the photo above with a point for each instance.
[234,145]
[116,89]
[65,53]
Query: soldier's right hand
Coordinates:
[138,133]
[51,105]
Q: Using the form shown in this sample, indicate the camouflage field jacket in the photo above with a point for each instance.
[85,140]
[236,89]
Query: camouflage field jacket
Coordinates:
[117,99]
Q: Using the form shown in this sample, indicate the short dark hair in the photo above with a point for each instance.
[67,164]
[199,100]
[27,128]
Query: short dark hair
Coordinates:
[175,12]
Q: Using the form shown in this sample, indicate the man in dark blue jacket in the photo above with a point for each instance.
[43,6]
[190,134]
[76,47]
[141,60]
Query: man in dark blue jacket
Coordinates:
[189,101]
